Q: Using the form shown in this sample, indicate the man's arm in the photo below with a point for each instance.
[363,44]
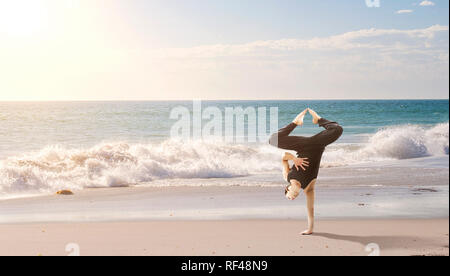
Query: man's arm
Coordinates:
[286,168]
[310,196]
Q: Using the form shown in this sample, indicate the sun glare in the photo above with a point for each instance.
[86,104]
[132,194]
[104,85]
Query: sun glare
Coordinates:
[22,17]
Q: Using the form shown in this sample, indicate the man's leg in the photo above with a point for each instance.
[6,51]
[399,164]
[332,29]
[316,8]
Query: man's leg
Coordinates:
[282,140]
[331,133]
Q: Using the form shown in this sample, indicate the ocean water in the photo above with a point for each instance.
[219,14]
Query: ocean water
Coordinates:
[46,147]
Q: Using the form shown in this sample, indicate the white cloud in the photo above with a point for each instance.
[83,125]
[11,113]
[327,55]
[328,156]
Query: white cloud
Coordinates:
[366,63]
[404,11]
[426,3]
[368,39]
[369,63]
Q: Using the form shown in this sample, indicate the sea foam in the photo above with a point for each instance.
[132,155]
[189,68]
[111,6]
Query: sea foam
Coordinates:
[393,143]
[122,164]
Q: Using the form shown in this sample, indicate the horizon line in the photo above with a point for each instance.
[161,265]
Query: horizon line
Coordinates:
[206,100]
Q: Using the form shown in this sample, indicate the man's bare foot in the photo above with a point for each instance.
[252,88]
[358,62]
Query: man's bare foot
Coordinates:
[299,120]
[316,116]
[307,232]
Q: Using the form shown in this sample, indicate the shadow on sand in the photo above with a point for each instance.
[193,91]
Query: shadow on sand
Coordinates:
[386,242]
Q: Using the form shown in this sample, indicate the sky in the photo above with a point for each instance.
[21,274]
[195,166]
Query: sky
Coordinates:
[223,49]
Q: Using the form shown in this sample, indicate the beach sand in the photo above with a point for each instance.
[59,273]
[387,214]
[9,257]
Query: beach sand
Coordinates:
[230,238]
[354,207]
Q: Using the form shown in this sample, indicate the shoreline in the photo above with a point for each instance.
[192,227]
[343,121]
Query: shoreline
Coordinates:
[227,203]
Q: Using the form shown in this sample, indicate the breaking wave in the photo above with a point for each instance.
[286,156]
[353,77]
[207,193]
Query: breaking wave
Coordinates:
[121,164]
[398,143]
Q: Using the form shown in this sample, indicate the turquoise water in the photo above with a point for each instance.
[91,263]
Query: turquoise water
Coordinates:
[33,126]
[45,147]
